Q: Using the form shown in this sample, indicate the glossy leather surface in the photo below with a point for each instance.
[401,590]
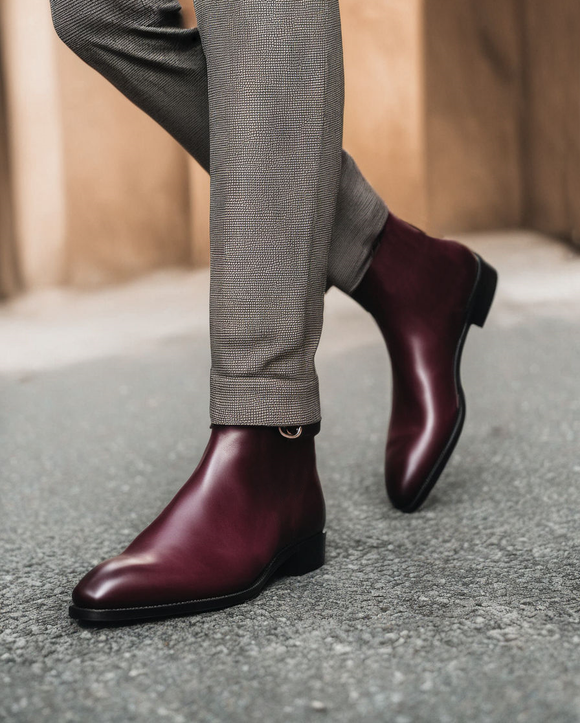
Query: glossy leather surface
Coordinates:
[253,493]
[418,288]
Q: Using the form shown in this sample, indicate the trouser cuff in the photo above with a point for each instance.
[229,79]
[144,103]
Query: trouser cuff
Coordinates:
[263,401]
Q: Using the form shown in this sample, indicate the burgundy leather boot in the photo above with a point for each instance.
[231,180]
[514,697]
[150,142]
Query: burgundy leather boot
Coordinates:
[252,508]
[424,294]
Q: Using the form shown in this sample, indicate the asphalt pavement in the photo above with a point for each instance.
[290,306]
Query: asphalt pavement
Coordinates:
[468,610]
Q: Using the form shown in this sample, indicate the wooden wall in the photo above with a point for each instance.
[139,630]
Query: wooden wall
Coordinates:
[463,115]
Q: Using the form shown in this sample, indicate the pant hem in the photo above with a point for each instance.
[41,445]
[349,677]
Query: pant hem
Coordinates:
[263,401]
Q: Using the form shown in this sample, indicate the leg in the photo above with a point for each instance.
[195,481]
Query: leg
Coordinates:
[140,47]
[254,503]
[162,68]
[275,82]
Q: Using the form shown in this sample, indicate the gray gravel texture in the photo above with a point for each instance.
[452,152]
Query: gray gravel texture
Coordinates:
[466,611]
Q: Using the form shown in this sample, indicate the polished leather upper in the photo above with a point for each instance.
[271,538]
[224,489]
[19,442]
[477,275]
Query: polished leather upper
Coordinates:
[253,493]
[418,288]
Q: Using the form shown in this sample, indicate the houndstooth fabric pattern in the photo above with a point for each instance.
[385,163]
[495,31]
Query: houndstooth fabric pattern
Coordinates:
[260,83]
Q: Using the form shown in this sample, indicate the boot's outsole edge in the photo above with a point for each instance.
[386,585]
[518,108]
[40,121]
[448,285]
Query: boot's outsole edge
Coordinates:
[298,559]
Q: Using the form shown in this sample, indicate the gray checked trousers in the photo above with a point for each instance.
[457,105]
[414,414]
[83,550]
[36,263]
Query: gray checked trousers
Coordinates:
[255,93]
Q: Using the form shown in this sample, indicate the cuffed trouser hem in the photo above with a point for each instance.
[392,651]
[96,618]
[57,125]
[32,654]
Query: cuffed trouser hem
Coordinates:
[263,402]
[360,216]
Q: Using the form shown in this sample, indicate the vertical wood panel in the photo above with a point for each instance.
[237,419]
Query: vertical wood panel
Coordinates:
[126,182]
[34,140]
[473,90]
[9,277]
[553,116]
[384,106]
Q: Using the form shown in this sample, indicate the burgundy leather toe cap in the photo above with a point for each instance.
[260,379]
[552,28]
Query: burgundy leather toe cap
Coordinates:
[113,583]
[413,459]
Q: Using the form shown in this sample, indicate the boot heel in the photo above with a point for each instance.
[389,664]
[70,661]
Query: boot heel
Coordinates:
[307,557]
[484,293]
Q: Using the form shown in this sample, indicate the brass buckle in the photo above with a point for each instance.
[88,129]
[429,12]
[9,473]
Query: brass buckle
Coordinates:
[285,433]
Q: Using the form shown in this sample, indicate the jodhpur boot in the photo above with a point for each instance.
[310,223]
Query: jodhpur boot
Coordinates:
[252,508]
[424,293]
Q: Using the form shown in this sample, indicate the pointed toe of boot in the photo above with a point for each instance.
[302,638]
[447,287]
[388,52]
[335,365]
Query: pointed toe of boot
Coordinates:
[403,484]
[401,497]
[112,584]
[96,590]
[412,469]
[405,494]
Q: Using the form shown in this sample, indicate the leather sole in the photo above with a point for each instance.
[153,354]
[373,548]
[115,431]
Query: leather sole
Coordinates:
[297,559]
[478,307]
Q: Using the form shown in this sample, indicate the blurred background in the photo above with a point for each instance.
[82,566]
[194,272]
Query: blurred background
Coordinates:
[464,115]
